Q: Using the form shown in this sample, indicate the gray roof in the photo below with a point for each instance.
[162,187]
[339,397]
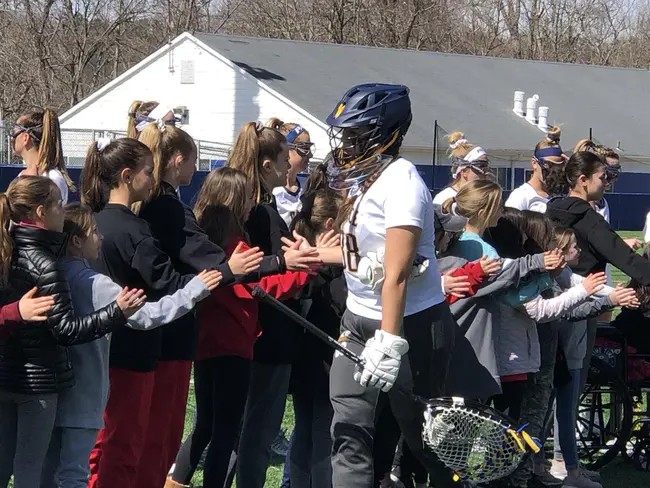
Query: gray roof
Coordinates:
[470,93]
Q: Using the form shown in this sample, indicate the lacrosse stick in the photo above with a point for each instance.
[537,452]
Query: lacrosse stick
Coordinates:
[473,440]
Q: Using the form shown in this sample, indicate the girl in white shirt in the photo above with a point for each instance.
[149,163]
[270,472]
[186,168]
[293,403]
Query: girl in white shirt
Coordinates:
[36,138]
[387,237]
[470,162]
[301,149]
[547,179]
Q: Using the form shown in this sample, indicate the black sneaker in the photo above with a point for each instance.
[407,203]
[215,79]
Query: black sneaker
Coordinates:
[280,445]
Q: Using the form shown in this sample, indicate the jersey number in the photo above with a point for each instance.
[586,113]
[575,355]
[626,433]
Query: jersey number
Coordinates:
[350,252]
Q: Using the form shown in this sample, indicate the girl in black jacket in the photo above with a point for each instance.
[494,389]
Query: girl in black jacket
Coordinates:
[174,225]
[598,243]
[34,363]
[116,175]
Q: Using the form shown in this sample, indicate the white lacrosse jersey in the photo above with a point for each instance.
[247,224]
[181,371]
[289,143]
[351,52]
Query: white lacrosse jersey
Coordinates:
[399,197]
[526,198]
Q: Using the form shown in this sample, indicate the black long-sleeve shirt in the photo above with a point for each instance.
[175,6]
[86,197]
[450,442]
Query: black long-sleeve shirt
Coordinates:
[174,225]
[132,257]
[280,337]
[599,244]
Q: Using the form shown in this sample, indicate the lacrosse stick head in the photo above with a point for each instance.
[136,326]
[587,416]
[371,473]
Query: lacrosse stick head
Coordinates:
[473,440]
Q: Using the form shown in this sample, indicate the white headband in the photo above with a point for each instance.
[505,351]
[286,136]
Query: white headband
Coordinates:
[155,117]
[474,154]
[160,111]
[457,143]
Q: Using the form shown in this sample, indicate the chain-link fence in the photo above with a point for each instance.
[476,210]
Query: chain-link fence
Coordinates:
[75,144]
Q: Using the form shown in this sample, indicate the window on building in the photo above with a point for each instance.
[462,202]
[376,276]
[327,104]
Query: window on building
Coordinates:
[501,177]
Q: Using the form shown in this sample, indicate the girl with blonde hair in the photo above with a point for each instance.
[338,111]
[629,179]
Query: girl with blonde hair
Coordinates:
[479,201]
[469,162]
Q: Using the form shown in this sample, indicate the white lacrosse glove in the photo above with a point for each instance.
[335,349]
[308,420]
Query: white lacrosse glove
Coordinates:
[383,356]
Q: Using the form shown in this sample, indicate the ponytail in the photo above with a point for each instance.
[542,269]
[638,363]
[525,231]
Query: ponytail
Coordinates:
[6,242]
[254,144]
[138,112]
[94,192]
[317,179]
[102,170]
[50,151]
[164,144]
[131,131]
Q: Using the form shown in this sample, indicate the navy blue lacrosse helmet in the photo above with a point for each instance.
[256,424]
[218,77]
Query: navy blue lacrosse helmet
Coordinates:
[369,120]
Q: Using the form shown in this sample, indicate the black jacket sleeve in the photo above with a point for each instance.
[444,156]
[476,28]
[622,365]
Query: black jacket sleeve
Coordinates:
[271,265]
[266,229]
[181,237]
[156,269]
[615,251]
[68,329]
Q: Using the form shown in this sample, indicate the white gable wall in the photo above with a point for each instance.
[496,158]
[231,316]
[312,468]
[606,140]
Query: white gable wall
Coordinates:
[220,101]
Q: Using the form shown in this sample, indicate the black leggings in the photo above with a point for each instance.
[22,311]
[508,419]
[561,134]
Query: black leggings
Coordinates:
[509,401]
[221,388]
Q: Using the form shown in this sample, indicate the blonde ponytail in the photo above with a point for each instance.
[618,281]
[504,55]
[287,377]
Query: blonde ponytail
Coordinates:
[254,144]
[133,113]
[163,144]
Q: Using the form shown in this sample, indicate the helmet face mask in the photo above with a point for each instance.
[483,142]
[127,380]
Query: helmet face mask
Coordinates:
[369,120]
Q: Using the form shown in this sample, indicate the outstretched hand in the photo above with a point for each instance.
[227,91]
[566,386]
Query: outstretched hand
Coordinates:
[243,262]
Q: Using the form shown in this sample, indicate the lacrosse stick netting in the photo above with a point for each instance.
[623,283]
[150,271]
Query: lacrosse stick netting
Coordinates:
[477,445]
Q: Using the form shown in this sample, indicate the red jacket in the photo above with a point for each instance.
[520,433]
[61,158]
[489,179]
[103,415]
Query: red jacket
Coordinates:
[475,276]
[228,318]
[9,318]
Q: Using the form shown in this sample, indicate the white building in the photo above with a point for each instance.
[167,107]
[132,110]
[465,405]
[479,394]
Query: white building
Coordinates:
[219,97]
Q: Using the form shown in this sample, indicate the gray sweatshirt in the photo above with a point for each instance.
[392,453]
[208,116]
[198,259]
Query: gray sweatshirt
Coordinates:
[475,364]
[82,406]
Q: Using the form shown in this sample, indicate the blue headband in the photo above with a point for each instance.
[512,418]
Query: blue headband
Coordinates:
[547,152]
[294,133]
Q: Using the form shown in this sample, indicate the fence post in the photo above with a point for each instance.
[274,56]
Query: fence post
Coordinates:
[591,135]
[433,160]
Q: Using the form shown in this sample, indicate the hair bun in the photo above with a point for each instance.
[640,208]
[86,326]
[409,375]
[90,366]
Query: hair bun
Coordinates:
[553,134]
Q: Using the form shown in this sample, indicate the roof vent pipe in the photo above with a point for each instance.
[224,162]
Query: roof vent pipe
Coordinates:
[519,103]
[531,109]
[542,121]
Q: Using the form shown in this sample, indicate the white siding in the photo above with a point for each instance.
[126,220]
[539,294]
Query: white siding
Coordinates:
[220,101]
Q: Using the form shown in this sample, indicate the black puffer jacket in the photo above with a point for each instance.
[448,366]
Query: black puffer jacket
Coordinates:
[34,359]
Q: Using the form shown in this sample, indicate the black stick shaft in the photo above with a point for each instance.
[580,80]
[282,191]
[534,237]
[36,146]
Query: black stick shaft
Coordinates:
[258,292]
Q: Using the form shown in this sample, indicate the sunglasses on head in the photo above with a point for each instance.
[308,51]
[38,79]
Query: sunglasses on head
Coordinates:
[18,129]
[303,149]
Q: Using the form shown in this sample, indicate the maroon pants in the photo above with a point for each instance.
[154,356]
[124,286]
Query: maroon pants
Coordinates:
[164,434]
[120,444]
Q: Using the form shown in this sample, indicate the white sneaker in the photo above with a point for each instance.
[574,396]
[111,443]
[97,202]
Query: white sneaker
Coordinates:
[580,481]
[558,469]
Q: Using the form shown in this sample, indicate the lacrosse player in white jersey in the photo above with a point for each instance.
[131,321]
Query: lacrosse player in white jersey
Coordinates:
[396,318]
